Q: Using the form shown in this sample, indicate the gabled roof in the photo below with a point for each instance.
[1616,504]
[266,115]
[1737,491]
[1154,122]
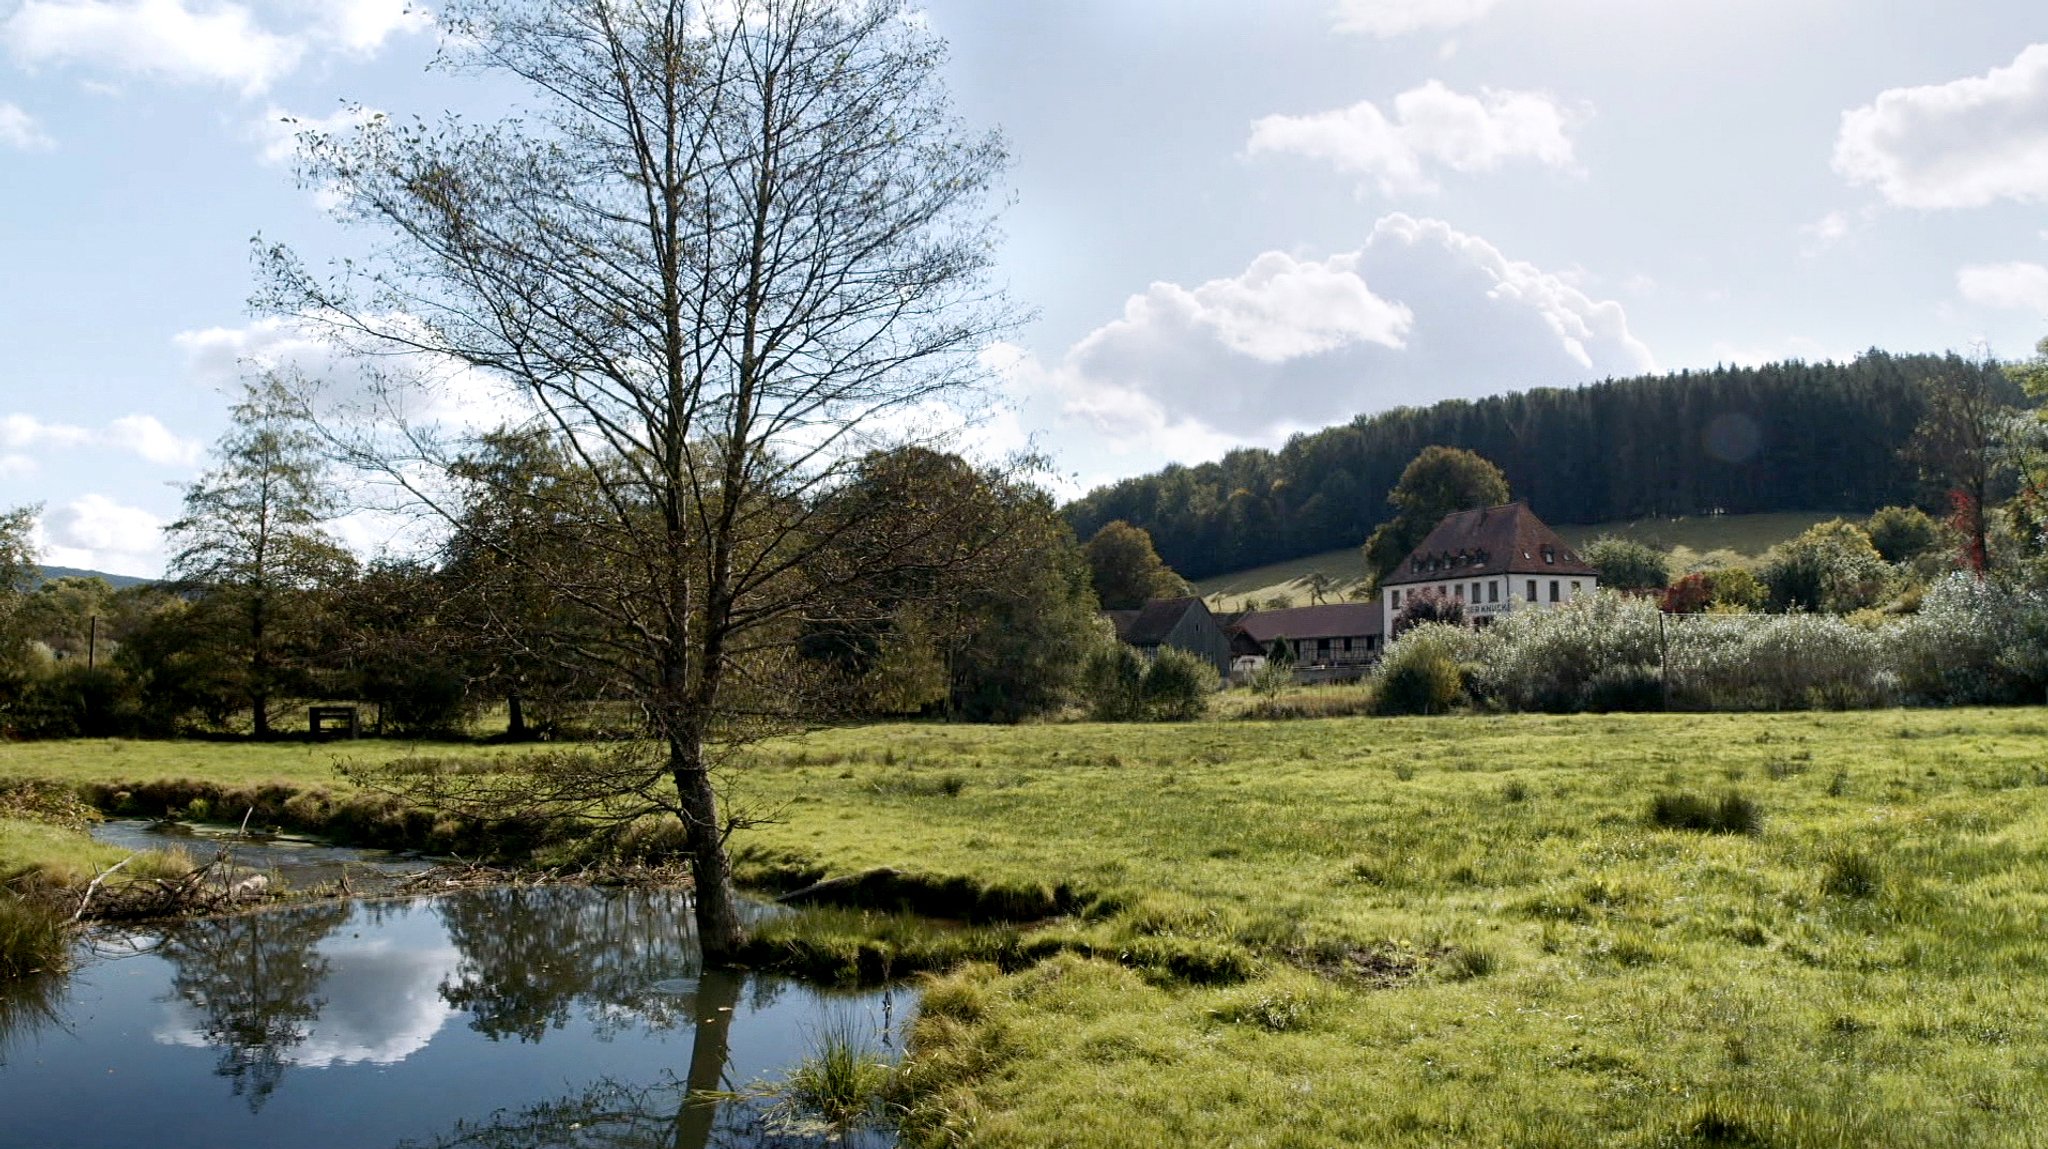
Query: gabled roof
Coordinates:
[1150,624]
[1337,620]
[1491,541]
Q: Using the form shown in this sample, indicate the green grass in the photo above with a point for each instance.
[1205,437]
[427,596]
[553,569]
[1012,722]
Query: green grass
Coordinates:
[1742,538]
[1469,930]
[1462,930]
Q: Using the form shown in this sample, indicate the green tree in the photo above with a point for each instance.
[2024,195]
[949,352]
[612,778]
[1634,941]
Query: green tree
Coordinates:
[1902,533]
[253,547]
[1625,564]
[1958,448]
[18,571]
[1831,567]
[1439,482]
[1126,570]
[729,250]
[2026,513]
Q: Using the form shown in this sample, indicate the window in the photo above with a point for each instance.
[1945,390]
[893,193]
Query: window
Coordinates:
[1575,588]
[1475,592]
[1395,604]
[1550,556]
[1347,646]
[1461,592]
[1553,590]
[1531,596]
[1322,647]
[1493,590]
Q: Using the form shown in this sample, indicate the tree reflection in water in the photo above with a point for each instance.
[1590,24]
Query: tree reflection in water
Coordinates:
[254,982]
[673,1114]
[529,955]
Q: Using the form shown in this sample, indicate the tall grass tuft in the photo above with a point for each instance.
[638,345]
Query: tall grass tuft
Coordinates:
[1851,873]
[32,939]
[843,1082]
[1733,814]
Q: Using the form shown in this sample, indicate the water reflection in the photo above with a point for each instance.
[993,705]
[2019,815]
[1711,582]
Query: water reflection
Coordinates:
[345,1008]
[250,989]
[529,955]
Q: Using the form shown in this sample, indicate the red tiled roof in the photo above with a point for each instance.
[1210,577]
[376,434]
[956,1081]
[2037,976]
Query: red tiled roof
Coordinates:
[1490,541]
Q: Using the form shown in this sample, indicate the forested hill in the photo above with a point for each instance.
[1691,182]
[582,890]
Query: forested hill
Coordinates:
[1784,437]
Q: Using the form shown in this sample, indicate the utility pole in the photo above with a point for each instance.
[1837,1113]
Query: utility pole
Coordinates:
[92,643]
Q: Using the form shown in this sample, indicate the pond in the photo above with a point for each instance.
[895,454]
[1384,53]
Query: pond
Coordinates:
[527,1017]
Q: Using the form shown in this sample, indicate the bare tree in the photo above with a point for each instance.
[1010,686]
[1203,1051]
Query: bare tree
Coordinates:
[737,246]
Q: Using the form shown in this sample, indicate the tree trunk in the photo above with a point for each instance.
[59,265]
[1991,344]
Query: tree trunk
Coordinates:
[718,918]
[515,720]
[259,668]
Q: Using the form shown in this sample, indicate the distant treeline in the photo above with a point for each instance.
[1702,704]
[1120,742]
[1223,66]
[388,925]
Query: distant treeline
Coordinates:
[1784,437]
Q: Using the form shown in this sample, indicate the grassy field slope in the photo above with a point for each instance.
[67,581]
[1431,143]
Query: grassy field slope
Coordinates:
[1687,539]
[1455,931]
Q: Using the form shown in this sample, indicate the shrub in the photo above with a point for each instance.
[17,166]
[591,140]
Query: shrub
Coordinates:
[1558,660]
[1902,533]
[1420,673]
[1115,679]
[1177,686]
[1736,588]
[1733,814]
[1122,687]
[68,700]
[1690,595]
[1832,567]
[1974,641]
[1625,564]
[1426,607]
[1783,662]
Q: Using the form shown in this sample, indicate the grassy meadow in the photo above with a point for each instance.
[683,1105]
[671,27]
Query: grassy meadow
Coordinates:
[1463,930]
[1739,539]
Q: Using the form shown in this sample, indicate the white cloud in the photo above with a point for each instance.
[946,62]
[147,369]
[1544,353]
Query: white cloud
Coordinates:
[2008,286]
[1431,126]
[417,389]
[19,130]
[1421,312]
[141,434]
[279,130]
[153,441]
[1962,144]
[98,533]
[16,466]
[26,431]
[217,43]
[1389,18]
[362,26]
[204,41]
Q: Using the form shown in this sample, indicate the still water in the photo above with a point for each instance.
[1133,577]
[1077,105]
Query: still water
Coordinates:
[500,1017]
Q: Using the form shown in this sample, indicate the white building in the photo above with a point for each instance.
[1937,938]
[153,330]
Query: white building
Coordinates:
[1493,561]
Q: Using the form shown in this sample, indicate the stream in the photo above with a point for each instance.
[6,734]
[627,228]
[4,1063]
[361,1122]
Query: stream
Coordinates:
[505,1017]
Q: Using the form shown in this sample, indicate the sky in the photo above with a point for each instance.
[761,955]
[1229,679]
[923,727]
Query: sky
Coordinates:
[1231,221]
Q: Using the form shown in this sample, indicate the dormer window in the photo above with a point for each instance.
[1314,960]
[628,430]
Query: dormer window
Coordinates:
[1550,556]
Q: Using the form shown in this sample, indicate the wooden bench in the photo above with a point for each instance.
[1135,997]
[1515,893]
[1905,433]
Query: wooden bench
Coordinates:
[333,722]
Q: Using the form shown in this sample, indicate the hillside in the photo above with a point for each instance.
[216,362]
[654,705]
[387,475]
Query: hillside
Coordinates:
[1686,540]
[51,574]
[1785,438]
